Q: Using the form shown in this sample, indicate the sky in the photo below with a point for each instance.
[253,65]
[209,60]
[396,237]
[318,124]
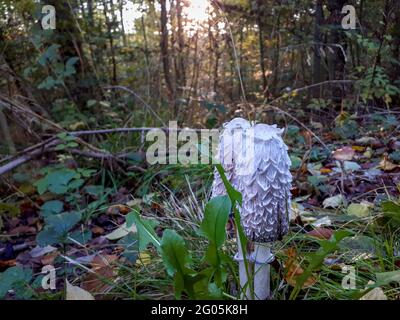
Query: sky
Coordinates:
[197,12]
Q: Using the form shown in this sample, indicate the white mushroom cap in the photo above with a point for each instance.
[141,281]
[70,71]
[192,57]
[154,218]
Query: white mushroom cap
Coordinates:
[266,187]
[227,152]
[262,175]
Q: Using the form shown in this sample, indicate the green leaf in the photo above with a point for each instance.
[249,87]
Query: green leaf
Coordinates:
[51,207]
[215,219]
[296,162]
[16,278]
[69,66]
[130,243]
[48,236]
[60,146]
[75,184]
[391,211]
[177,261]
[64,222]
[145,229]
[56,230]
[42,186]
[385,278]
[317,258]
[234,195]
[56,181]
[80,236]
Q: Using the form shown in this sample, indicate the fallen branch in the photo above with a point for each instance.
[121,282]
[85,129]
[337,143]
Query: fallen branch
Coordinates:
[27,156]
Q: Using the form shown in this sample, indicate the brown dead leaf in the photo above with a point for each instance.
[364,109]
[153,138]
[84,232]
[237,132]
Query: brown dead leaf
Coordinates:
[4,264]
[386,165]
[97,230]
[118,208]
[321,233]
[293,269]
[103,268]
[344,154]
[49,258]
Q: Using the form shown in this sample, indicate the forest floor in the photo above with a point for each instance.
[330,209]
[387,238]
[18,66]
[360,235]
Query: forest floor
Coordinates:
[350,183]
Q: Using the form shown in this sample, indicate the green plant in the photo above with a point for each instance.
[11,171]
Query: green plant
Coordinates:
[17,279]
[208,280]
[316,259]
[376,84]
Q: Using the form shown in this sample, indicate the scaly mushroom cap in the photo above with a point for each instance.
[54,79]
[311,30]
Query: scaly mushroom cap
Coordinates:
[227,153]
[266,185]
[260,171]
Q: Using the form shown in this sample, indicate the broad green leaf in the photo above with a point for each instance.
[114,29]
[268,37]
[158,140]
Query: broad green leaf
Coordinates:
[16,278]
[130,244]
[145,228]
[48,236]
[215,219]
[51,207]
[234,195]
[177,260]
[64,222]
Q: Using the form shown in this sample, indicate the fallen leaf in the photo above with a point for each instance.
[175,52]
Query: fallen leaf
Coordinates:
[49,258]
[121,232]
[143,259]
[293,269]
[321,233]
[360,210]
[118,208]
[325,170]
[386,165]
[324,221]
[368,153]
[97,230]
[5,264]
[368,141]
[103,273]
[375,294]
[344,154]
[77,126]
[41,251]
[351,166]
[333,202]
[76,293]
[358,148]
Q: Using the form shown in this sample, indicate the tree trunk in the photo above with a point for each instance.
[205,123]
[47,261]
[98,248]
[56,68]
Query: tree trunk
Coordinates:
[336,58]
[165,52]
[317,72]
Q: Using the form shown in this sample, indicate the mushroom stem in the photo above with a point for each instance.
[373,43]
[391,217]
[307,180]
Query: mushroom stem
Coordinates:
[243,280]
[262,257]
